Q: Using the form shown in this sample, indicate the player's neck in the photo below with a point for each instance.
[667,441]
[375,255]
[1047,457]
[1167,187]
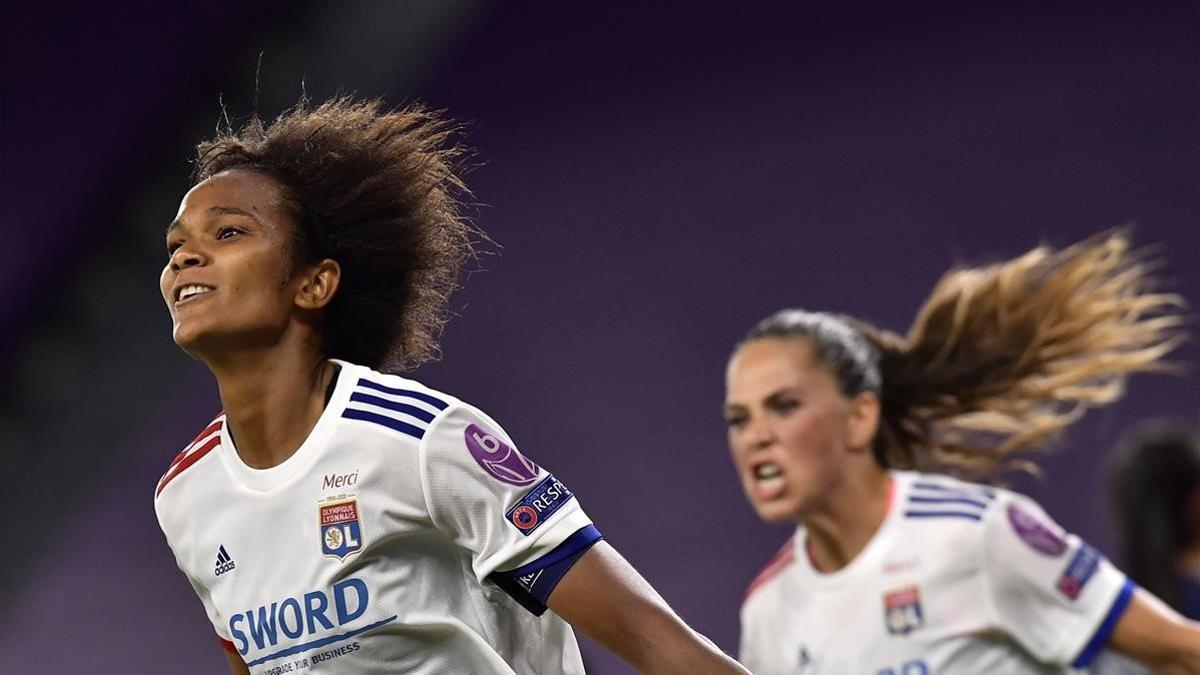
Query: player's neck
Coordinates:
[272,400]
[839,533]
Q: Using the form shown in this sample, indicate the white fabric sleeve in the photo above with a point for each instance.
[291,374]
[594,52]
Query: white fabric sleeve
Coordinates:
[1050,591]
[488,497]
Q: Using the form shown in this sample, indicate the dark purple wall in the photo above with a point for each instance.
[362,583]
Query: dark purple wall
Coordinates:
[659,180]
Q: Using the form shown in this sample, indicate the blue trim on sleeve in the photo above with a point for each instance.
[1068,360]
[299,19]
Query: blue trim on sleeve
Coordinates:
[1100,638]
[965,488]
[384,420]
[530,585]
[944,514]
[363,397]
[420,396]
[579,542]
[917,499]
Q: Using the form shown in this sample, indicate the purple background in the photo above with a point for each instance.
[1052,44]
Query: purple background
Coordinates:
[659,179]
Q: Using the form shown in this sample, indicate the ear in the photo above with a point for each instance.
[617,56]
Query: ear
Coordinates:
[863,420]
[318,284]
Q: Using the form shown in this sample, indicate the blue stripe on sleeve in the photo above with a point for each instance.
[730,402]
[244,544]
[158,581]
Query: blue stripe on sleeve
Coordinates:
[942,514]
[431,400]
[423,415]
[530,585]
[1100,638]
[974,490]
[947,500]
[402,427]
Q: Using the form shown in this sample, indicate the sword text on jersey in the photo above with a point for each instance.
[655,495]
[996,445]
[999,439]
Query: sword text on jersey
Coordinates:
[294,617]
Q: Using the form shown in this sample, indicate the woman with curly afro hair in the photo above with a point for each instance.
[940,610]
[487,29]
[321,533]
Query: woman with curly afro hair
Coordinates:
[339,517]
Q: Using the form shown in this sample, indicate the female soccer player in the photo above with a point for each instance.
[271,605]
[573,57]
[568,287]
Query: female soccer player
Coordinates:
[898,569]
[334,517]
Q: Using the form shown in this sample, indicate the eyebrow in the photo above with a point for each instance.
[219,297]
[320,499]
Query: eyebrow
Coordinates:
[217,211]
[782,391]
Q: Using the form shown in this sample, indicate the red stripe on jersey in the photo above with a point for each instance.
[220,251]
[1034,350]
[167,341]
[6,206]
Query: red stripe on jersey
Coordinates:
[227,645]
[187,462]
[783,557]
[213,426]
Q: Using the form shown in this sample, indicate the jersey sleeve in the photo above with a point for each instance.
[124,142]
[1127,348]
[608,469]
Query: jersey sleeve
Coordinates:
[523,527]
[1050,591]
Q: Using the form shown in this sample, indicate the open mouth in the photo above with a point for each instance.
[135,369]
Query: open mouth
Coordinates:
[190,291]
[769,481]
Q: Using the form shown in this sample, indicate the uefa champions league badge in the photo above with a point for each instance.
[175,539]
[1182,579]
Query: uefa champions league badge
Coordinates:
[1040,536]
[902,610]
[341,531]
[502,462]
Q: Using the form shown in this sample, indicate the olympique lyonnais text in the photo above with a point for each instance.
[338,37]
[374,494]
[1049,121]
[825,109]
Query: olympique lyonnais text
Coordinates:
[339,513]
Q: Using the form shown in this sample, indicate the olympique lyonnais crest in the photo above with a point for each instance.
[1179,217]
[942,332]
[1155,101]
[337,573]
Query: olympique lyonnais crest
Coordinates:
[341,533]
[902,610]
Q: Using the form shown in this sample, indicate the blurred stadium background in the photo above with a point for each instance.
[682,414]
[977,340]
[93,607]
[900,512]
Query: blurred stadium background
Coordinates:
[659,179]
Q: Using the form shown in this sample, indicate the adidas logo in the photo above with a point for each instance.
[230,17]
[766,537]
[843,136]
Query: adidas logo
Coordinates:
[224,562]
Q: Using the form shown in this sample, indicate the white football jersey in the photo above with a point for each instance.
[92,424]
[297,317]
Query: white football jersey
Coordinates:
[406,534]
[959,578]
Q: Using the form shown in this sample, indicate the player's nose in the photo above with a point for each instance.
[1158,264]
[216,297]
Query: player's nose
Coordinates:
[187,256]
[758,434]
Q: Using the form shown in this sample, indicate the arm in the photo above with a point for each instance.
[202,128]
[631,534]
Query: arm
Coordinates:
[236,664]
[1152,633]
[603,596]
[507,511]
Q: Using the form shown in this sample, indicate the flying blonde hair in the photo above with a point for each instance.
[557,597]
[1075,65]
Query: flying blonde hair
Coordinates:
[1001,358]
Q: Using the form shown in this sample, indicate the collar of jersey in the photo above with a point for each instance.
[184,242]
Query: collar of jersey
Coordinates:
[872,554]
[286,472]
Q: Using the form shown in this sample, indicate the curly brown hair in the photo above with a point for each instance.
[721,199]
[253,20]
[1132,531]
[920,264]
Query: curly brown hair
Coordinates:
[377,191]
[1000,358]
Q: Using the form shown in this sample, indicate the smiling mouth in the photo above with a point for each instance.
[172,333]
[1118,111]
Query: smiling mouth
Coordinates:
[190,292]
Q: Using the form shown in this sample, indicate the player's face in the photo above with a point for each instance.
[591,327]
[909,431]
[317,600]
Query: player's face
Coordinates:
[226,282]
[788,427]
